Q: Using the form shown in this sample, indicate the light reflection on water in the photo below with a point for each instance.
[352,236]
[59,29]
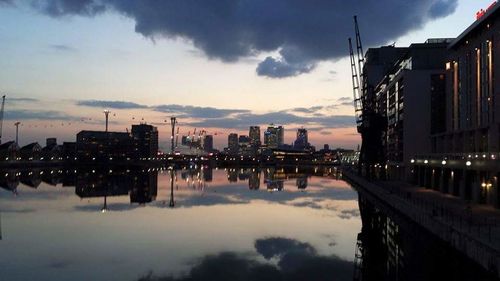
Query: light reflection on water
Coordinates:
[121,225]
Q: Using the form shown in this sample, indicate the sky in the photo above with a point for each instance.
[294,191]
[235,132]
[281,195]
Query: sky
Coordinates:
[216,65]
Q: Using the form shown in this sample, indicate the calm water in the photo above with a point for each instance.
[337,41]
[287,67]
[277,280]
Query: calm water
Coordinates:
[204,224]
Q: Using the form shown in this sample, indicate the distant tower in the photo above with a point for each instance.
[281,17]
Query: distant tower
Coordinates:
[173,121]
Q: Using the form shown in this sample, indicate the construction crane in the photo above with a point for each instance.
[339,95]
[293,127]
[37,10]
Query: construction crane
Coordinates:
[355,88]
[370,123]
[173,122]
[1,117]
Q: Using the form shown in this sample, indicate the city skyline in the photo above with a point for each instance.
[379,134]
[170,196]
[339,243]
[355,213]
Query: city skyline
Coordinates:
[62,68]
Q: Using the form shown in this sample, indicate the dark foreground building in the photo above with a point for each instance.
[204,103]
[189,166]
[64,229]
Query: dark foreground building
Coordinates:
[141,143]
[466,142]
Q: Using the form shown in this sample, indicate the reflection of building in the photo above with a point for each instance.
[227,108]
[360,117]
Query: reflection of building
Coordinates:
[301,183]
[232,175]
[254,180]
[31,178]
[145,140]
[207,174]
[9,181]
[141,186]
[232,143]
[274,136]
[274,185]
[392,247]
[144,188]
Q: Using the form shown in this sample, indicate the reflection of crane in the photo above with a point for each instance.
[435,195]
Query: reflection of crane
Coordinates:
[1,117]
[177,137]
[171,204]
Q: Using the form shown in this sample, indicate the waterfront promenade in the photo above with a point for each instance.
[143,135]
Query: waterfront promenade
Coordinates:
[470,228]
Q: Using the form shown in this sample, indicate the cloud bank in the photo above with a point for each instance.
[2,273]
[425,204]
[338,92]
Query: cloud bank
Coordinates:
[299,34]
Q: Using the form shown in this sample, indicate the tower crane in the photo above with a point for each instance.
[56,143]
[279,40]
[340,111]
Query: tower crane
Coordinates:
[370,123]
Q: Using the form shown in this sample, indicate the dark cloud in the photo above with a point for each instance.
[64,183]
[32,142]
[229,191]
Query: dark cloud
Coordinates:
[277,247]
[344,99]
[250,119]
[236,118]
[442,8]
[280,68]
[111,104]
[196,111]
[312,109]
[325,133]
[6,2]
[303,33]
[37,114]
[348,214]
[59,8]
[62,48]
[7,99]
[298,262]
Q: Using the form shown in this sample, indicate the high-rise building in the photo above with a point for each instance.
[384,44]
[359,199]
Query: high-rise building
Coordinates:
[274,136]
[208,143]
[254,134]
[145,140]
[232,143]
[301,142]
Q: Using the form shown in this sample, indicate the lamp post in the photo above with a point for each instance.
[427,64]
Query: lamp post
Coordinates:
[106,113]
[17,131]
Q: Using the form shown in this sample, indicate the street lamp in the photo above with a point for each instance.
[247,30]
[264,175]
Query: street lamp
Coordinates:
[106,113]
[17,131]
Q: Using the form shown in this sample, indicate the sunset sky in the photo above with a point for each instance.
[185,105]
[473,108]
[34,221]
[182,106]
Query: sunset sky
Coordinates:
[218,65]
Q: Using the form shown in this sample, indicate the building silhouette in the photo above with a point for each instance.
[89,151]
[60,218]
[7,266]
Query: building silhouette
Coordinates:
[145,140]
[233,144]
[254,134]
[274,136]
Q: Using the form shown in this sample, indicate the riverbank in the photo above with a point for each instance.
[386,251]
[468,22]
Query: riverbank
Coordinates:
[470,228]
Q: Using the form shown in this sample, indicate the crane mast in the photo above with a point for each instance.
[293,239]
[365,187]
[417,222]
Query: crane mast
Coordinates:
[355,88]
[370,123]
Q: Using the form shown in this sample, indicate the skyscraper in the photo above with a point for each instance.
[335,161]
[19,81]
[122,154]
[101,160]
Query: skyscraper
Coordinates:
[145,139]
[254,134]
[301,142]
[274,136]
[208,143]
[232,143]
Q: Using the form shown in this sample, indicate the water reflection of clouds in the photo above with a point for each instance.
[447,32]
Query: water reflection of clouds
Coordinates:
[294,260]
[320,197]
